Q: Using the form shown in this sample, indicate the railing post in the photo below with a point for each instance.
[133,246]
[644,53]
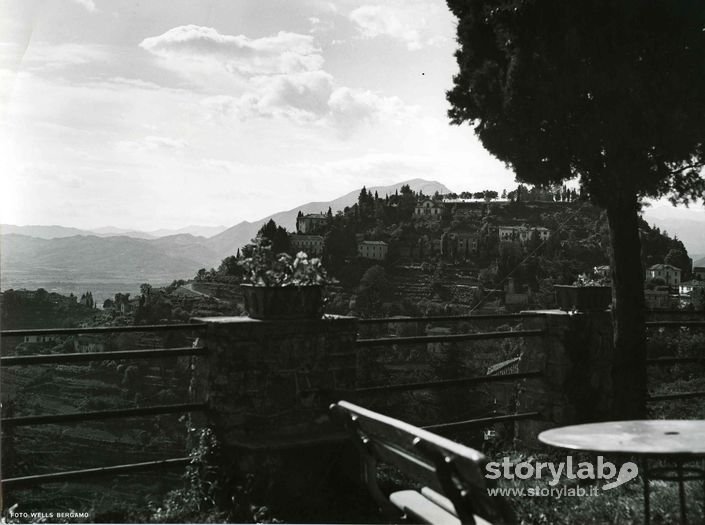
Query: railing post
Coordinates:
[575,355]
[268,385]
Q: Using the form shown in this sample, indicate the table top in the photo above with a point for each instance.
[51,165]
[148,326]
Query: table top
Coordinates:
[660,437]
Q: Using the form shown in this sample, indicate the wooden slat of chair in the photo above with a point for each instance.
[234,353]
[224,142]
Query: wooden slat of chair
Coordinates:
[450,470]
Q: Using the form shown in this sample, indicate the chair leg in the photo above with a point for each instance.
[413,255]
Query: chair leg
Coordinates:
[681,492]
[647,494]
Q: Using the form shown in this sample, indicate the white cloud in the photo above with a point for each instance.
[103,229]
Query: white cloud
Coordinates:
[88,4]
[334,178]
[351,107]
[310,97]
[376,20]
[49,57]
[409,22]
[282,53]
[301,97]
[280,76]
[151,143]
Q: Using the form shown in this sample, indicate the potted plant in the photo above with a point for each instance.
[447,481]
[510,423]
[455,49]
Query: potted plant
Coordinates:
[279,286]
[585,295]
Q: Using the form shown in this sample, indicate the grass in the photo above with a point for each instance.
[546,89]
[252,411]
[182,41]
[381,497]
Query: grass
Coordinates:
[621,505]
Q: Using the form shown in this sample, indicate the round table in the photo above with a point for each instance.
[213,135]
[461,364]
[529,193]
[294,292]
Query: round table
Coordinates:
[676,440]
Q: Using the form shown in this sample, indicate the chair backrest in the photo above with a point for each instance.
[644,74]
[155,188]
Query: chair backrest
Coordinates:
[454,470]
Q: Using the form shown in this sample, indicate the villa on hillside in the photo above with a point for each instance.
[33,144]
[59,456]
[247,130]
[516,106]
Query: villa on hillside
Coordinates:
[311,222]
[376,250]
[428,208]
[603,271]
[660,299]
[40,339]
[461,244]
[670,274]
[687,287]
[311,244]
[522,234]
[469,202]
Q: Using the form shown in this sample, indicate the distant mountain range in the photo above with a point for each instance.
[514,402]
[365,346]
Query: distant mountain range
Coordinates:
[688,224]
[57,232]
[57,253]
[228,241]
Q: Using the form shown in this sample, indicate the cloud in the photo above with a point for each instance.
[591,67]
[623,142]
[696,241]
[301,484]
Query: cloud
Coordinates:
[408,22]
[88,4]
[350,107]
[282,53]
[278,76]
[336,177]
[376,20]
[152,143]
[309,98]
[319,26]
[49,57]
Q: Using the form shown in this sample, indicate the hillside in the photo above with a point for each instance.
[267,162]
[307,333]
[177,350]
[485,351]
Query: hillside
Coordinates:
[102,258]
[42,232]
[685,223]
[227,242]
[110,264]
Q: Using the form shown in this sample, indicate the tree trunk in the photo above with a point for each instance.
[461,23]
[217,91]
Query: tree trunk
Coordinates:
[628,312]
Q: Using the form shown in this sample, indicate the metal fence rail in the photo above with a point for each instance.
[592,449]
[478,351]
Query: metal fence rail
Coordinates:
[448,338]
[445,383]
[103,414]
[674,324]
[41,359]
[674,360]
[39,479]
[103,329]
[458,425]
[431,319]
[675,395]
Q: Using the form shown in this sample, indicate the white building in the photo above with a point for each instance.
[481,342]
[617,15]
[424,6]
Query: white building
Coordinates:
[687,287]
[670,274]
[522,234]
[373,250]
[311,222]
[311,244]
[428,208]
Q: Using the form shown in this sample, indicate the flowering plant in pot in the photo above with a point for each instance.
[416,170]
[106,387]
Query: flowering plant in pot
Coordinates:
[279,286]
[586,294]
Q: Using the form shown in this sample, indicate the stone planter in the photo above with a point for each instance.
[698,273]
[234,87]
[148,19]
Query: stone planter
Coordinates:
[583,298]
[283,302]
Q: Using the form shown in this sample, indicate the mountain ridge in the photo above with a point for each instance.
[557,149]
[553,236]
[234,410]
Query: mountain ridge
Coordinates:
[84,254]
[243,232]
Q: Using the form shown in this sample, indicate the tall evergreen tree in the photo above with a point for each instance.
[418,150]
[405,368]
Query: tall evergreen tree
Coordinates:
[612,92]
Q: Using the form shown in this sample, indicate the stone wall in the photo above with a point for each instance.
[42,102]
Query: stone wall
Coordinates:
[269,383]
[266,382]
[575,356]
[268,386]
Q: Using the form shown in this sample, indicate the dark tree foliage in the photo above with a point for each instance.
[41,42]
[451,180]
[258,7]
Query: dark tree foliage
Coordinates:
[679,258]
[340,246]
[277,235]
[610,91]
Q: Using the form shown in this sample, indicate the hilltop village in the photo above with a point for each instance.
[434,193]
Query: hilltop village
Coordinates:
[415,254]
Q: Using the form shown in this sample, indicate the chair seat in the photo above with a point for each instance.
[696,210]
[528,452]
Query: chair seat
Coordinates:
[428,506]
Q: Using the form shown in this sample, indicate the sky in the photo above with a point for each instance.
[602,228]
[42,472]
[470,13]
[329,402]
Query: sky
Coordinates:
[146,114]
